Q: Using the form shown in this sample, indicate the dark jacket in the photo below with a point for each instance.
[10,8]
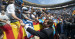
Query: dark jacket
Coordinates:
[43,34]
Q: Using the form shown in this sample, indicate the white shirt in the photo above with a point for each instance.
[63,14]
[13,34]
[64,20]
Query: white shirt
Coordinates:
[32,15]
[10,10]
[4,17]
[52,17]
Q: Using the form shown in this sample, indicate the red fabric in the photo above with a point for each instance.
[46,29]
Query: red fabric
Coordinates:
[35,23]
[8,30]
[32,36]
[20,34]
[25,37]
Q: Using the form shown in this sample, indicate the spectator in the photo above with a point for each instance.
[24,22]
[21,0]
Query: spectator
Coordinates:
[4,2]
[11,12]
[18,13]
[26,14]
[4,19]
[33,17]
[38,13]
[2,7]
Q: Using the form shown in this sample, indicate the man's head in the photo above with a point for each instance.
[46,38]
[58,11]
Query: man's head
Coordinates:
[2,7]
[18,11]
[2,12]
[48,23]
[25,10]
[1,34]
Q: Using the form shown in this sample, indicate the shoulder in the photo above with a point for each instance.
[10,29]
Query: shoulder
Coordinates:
[43,30]
[11,8]
[24,15]
[11,5]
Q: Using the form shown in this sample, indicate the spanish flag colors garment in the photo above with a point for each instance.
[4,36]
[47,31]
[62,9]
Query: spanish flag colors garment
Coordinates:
[15,31]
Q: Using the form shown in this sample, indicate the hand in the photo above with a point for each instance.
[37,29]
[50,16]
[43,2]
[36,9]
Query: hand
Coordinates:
[8,22]
[22,24]
[37,20]
[2,36]
[33,20]
[58,35]
[21,21]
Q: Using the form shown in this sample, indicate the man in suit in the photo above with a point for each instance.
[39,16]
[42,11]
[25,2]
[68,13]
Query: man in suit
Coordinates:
[46,33]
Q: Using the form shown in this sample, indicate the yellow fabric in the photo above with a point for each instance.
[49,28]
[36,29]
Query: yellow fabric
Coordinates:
[38,27]
[58,21]
[4,36]
[73,12]
[24,33]
[55,24]
[15,28]
[43,20]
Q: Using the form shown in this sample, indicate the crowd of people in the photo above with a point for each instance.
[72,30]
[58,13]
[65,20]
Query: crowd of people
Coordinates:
[14,11]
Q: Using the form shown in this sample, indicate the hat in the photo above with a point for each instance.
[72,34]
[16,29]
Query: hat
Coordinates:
[25,8]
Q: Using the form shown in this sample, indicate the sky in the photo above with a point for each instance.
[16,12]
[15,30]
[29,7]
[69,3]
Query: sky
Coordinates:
[46,2]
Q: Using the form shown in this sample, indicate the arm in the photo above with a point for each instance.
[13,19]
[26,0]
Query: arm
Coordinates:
[11,10]
[34,17]
[27,17]
[37,33]
[4,27]
[13,15]
[3,20]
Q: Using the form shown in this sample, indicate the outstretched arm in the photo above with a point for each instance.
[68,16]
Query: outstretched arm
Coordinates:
[36,33]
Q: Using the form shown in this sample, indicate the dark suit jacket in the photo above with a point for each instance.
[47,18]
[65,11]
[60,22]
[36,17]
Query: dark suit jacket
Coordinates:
[43,34]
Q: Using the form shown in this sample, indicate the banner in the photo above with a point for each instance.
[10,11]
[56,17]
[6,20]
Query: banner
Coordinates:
[15,31]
